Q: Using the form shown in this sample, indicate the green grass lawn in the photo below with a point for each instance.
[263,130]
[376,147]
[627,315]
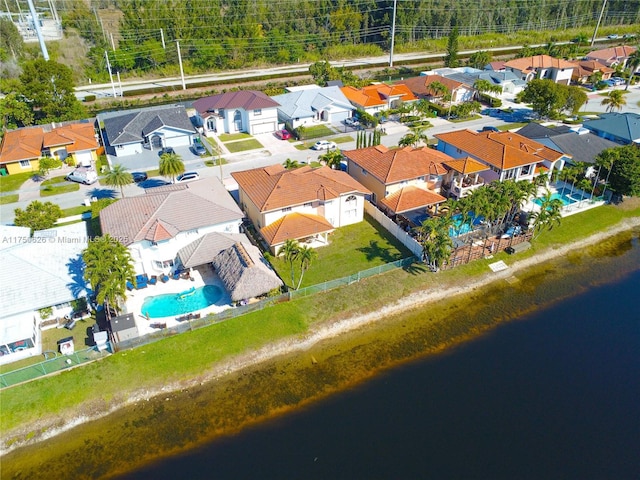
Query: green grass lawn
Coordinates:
[57,185]
[6,199]
[466,119]
[243,145]
[231,137]
[79,210]
[11,183]
[317,131]
[512,126]
[351,249]
[343,139]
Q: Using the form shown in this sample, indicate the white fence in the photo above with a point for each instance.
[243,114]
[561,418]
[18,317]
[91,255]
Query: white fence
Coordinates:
[389,225]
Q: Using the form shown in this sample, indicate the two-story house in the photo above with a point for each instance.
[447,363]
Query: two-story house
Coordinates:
[542,67]
[378,97]
[508,155]
[614,56]
[310,104]
[400,180]
[247,111]
[421,87]
[304,204]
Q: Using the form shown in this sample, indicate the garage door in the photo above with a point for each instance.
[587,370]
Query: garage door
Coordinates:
[83,158]
[264,128]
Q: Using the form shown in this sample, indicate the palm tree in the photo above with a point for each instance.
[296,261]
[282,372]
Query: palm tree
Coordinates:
[548,215]
[108,268]
[171,165]
[290,250]
[438,89]
[415,136]
[290,164]
[614,100]
[118,177]
[436,242]
[633,62]
[306,255]
[332,158]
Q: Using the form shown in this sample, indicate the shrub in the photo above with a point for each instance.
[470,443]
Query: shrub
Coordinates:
[493,102]
[89,98]
[45,312]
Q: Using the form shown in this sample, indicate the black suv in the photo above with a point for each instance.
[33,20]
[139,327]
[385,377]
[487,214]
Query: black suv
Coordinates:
[168,150]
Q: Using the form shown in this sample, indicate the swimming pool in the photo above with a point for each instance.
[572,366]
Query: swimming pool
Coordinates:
[565,196]
[459,228]
[170,304]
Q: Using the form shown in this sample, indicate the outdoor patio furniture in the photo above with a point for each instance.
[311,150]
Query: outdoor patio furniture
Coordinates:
[130,285]
[153,280]
[176,275]
[164,278]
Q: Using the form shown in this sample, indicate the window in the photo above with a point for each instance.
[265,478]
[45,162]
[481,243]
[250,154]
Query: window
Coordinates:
[364,172]
[509,174]
[257,112]
[286,209]
[308,204]
[25,163]
[458,150]
[421,179]
[526,170]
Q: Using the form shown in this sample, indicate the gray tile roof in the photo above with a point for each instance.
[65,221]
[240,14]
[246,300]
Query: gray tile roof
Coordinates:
[38,275]
[204,249]
[164,211]
[245,99]
[535,131]
[134,125]
[304,103]
[622,126]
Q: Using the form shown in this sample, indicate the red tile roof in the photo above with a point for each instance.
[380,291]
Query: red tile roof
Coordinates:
[295,226]
[613,54]
[245,99]
[397,165]
[22,144]
[530,64]
[411,198]
[77,137]
[466,165]
[274,187]
[421,85]
[378,94]
[585,68]
[503,150]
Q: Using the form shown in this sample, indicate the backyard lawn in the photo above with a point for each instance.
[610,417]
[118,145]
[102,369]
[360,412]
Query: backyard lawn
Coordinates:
[52,186]
[351,249]
[243,145]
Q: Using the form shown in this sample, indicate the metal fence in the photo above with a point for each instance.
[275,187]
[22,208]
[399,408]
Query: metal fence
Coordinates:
[52,365]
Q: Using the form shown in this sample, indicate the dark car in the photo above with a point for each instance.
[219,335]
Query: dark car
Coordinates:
[167,150]
[489,128]
[139,176]
[198,149]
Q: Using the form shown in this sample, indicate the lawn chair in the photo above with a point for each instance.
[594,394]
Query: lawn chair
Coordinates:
[153,280]
[130,285]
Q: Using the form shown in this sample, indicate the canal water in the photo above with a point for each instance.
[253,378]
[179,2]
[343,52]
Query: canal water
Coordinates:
[554,394]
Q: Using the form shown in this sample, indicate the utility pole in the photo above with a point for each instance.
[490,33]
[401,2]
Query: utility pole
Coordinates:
[393,33]
[184,86]
[113,87]
[162,38]
[36,25]
[595,32]
[113,44]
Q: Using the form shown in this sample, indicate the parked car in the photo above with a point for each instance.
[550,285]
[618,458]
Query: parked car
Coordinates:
[199,149]
[613,36]
[187,177]
[84,175]
[323,145]
[283,134]
[139,176]
[489,128]
[167,150]
[351,122]
[618,80]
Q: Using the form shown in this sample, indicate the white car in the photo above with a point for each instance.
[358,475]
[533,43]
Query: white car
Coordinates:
[187,177]
[323,145]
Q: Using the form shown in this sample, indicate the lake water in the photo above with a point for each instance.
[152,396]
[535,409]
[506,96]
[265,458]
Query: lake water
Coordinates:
[553,395]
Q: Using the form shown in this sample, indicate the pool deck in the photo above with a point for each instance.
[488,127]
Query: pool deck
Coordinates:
[201,276]
[567,210]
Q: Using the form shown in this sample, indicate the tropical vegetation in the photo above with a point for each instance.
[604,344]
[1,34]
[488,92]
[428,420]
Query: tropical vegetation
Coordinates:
[118,177]
[38,215]
[622,167]
[171,165]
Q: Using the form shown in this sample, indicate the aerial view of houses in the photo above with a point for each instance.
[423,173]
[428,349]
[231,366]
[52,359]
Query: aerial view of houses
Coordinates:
[189,191]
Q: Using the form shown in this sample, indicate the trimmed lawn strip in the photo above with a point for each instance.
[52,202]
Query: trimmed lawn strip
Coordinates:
[187,355]
[343,139]
[243,145]
[79,210]
[5,199]
[512,126]
[52,187]
[230,137]
[11,183]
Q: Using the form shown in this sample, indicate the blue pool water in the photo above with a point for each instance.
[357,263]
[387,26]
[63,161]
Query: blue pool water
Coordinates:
[170,304]
[459,228]
[565,196]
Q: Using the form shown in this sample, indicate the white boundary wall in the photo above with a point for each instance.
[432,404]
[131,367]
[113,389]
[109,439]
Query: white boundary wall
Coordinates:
[406,239]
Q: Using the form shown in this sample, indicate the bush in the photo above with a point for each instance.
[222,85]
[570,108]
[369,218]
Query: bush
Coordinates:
[89,98]
[493,102]
[440,110]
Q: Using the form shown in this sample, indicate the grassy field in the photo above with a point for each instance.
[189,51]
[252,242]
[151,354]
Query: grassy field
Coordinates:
[243,145]
[232,137]
[179,358]
[11,198]
[352,249]
[12,183]
[57,185]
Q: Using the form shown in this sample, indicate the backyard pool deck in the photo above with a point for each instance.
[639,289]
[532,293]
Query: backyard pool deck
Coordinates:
[567,210]
[201,276]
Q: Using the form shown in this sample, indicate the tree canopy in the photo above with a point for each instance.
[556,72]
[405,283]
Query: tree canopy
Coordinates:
[38,215]
[549,99]
[623,166]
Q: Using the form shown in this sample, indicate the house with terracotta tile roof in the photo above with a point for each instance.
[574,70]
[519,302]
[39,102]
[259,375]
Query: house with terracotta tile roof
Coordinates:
[508,155]
[378,97]
[157,225]
[304,204]
[401,179]
[421,87]
[311,105]
[585,68]
[75,143]
[541,67]
[612,57]
[247,111]
[131,132]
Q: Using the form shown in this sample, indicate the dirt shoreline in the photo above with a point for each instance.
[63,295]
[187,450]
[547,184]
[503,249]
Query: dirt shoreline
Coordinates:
[50,427]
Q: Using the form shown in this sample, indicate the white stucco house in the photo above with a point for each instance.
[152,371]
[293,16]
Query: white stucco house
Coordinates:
[247,111]
[131,132]
[157,225]
[43,273]
[311,104]
[304,204]
[541,67]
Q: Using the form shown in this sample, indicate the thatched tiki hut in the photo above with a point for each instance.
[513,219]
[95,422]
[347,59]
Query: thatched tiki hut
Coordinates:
[244,272]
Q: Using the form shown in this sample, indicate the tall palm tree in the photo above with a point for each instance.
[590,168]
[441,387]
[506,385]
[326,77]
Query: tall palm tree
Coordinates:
[108,268]
[290,164]
[171,165]
[290,250]
[633,62]
[118,177]
[306,256]
[415,137]
[548,215]
[438,89]
[436,242]
[614,100]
